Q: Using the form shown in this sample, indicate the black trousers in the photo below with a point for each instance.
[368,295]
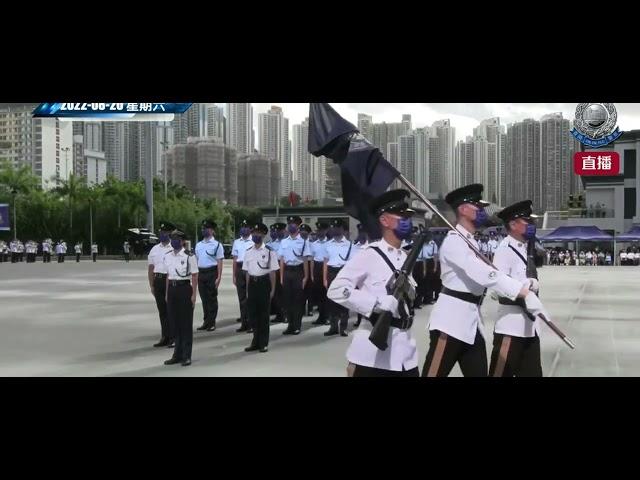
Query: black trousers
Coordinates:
[209,294]
[361,371]
[307,306]
[167,327]
[126,257]
[14,257]
[241,289]
[180,312]
[418,276]
[445,351]
[430,281]
[337,313]
[78,257]
[259,289]
[46,257]
[94,256]
[277,307]
[293,296]
[515,357]
[60,257]
[319,293]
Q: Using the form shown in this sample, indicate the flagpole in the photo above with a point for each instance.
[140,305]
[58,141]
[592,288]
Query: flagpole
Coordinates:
[435,210]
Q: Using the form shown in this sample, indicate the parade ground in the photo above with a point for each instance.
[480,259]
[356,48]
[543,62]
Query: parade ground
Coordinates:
[100,319]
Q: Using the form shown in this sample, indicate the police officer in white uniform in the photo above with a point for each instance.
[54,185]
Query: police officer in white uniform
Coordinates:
[78,250]
[493,245]
[126,248]
[456,321]
[339,251]
[294,274]
[46,250]
[361,286]
[259,266]
[516,338]
[318,250]
[94,251]
[157,275]
[238,249]
[182,286]
[210,255]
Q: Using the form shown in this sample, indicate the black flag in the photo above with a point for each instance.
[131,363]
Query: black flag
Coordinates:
[365,172]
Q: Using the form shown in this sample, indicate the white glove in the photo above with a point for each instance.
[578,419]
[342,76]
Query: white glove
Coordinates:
[532,284]
[387,303]
[534,305]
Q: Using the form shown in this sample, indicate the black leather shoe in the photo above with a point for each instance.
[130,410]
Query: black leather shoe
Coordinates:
[287,332]
[186,362]
[344,334]
[242,329]
[331,333]
[202,328]
[239,320]
[212,328]
[172,361]
[264,350]
[250,330]
[252,348]
[295,332]
[162,343]
[171,344]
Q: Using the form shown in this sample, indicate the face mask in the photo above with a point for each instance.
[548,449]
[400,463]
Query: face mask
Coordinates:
[404,229]
[206,232]
[304,235]
[293,229]
[257,239]
[362,238]
[314,237]
[281,235]
[176,244]
[481,218]
[244,231]
[273,234]
[164,237]
[530,232]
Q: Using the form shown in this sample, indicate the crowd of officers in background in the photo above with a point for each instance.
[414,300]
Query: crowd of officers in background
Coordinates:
[16,251]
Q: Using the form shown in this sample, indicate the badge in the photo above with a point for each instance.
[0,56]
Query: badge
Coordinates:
[182,262]
[493,275]
[346,293]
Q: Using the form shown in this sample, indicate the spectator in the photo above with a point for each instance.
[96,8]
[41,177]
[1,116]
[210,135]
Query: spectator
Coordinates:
[588,258]
[623,257]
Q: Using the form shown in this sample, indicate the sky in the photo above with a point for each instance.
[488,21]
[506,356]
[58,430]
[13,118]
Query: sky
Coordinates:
[464,116]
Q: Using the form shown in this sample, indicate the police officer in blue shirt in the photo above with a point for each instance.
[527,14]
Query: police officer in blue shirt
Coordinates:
[210,255]
[294,274]
[338,252]
[238,250]
[276,232]
[318,250]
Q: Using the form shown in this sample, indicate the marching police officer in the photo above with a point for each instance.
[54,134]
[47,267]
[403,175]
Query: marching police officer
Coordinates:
[157,276]
[294,274]
[61,251]
[456,321]
[307,306]
[46,250]
[277,235]
[21,250]
[339,251]
[238,251]
[78,249]
[318,250]
[181,287]
[94,251]
[361,286]
[259,267]
[210,256]
[516,339]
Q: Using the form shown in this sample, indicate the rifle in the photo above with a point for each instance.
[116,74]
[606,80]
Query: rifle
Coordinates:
[398,286]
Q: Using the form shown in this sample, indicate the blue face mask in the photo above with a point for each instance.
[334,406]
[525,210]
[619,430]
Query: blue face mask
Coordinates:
[293,229]
[404,229]
[481,218]
[176,244]
[206,232]
[257,239]
[164,237]
[362,238]
[530,232]
[244,231]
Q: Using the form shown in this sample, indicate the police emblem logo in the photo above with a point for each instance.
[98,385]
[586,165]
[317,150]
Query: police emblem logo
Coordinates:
[493,275]
[346,293]
[182,262]
[595,124]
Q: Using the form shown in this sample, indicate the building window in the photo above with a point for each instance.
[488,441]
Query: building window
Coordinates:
[629,202]
[629,164]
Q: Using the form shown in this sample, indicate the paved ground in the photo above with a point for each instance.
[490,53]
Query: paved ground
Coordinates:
[99,319]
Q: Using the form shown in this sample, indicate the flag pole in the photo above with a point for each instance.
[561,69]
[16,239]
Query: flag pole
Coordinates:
[436,212]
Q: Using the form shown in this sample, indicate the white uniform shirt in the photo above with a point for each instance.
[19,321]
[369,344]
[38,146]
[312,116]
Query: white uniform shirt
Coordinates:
[125,247]
[511,320]
[357,287]
[493,245]
[46,247]
[78,249]
[94,248]
[59,249]
[359,247]
[180,266]
[338,252]
[156,257]
[239,248]
[260,261]
[463,271]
